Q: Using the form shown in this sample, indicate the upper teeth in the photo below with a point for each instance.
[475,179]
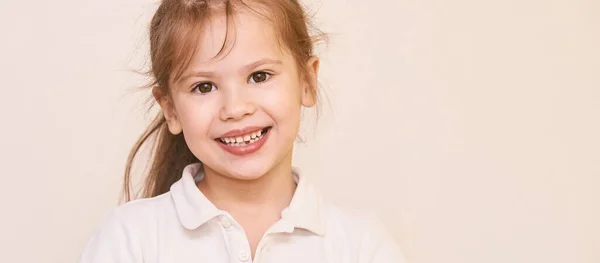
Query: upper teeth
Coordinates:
[243,138]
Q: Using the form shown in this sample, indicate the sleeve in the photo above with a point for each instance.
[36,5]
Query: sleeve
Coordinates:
[379,246]
[112,242]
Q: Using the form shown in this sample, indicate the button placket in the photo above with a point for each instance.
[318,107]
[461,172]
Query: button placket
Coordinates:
[266,243]
[261,252]
[240,249]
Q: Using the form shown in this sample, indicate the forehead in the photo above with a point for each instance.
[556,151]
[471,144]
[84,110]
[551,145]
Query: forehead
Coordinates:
[244,38]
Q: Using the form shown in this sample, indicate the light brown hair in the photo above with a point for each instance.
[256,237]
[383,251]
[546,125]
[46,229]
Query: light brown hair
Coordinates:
[175,31]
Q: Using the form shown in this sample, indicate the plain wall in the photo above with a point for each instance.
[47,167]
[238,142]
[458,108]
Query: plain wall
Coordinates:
[472,126]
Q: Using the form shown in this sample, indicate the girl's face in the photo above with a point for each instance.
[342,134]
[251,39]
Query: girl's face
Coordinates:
[240,112]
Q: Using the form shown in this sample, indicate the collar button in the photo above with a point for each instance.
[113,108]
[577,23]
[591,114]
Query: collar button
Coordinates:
[225,222]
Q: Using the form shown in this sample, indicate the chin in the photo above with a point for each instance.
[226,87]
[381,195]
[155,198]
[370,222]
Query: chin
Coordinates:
[250,169]
[243,172]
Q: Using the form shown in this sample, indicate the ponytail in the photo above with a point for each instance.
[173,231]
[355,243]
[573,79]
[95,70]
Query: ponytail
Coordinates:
[170,155]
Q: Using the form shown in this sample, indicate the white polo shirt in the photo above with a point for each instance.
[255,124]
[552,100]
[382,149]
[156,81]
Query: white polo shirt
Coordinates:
[183,226]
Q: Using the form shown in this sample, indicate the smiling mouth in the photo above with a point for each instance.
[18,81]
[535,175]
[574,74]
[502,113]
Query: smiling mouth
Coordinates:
[245,139]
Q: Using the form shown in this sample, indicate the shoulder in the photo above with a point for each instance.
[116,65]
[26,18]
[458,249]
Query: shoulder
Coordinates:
[140,210]
[136,215]
[124,230]
[362,231]
[351,221]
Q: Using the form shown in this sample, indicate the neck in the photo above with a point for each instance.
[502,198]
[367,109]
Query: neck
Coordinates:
[273,190]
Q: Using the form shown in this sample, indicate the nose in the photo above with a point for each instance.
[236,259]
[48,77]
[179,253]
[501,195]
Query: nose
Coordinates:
[236,104]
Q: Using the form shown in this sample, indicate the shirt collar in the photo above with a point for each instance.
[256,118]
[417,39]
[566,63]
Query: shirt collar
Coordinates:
[306,208]
[194,209]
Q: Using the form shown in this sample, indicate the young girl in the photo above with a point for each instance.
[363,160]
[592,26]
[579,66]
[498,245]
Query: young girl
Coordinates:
[231,78]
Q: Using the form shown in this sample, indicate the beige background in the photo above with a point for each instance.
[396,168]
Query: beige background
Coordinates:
[473,126]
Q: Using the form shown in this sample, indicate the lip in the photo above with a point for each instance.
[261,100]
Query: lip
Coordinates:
[244,131]
[246,149]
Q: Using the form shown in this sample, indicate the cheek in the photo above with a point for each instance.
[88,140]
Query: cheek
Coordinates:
[287,90]
[283,103]
[195,115]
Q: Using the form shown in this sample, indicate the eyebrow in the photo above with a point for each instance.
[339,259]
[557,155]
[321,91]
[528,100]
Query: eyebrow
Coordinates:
[245,68]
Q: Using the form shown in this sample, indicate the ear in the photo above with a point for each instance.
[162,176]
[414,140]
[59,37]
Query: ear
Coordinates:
[309,90]
[168,109]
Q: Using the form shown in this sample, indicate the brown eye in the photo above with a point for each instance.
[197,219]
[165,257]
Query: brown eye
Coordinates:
[259,77]
[205,87]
